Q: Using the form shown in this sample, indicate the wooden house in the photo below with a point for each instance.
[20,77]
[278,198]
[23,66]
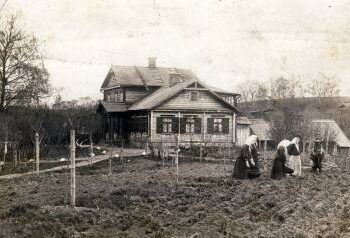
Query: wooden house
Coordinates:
[151,104]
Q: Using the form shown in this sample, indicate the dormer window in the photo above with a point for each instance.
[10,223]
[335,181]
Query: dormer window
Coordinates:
[116,95]
[194,95]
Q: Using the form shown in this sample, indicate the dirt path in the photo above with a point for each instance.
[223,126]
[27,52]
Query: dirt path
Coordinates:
[86,162]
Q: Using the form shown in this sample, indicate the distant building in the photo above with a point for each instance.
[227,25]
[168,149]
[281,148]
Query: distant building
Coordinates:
[243,130]
[262,128]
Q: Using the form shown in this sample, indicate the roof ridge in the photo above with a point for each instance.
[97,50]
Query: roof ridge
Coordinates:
[146,67]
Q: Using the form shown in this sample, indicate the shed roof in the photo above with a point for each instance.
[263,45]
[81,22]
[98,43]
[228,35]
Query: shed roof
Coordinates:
[325,124]
[261,128]
[243,121]
[112,106]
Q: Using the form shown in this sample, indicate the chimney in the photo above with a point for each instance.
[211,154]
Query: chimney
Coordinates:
[152,62]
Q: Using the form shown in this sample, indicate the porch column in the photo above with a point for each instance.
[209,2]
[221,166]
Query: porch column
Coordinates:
[150,134]
[179,129]
[108,121]
[112,128]
[233,127]
[204,126]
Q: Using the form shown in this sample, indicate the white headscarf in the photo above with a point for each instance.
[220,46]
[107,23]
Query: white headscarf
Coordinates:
[284,143]
[252,141]
[296,142]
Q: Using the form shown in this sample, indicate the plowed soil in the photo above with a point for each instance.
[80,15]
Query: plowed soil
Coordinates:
[141,199]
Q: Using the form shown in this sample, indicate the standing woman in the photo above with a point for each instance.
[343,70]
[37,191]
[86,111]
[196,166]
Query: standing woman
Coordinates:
[294,160]
[246,165]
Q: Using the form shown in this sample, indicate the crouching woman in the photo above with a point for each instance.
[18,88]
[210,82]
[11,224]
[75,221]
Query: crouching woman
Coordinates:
[247,163]
[279,166]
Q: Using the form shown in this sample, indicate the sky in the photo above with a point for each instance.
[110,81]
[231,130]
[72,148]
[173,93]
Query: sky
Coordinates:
[223,41]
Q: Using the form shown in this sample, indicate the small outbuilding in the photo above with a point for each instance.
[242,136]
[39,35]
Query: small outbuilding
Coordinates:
[243,130]
[262,128]
[334,139]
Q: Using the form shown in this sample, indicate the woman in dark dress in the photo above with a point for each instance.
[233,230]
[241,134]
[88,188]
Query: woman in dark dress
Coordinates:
[247,164]
[279,166]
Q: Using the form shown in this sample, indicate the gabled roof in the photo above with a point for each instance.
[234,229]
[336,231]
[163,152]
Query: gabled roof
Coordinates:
[261,128]
[141,76]
[165,93]
[326,124]
[159,96]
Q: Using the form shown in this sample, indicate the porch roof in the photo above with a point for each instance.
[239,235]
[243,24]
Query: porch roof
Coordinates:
[112,106]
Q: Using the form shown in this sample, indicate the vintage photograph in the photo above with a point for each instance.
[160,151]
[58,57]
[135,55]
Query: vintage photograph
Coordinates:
[175,119]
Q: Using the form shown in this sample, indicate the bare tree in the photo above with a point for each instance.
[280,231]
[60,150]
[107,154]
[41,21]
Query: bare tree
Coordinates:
[23,77]
[253,87]
[262,92]
[331,84]
[243,90]
[325,86]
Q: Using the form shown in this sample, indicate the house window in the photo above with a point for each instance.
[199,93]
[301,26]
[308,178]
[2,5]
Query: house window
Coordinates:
[217,125]
[167,125]
[119,95]
[115,96]
[194,95]
[190,125]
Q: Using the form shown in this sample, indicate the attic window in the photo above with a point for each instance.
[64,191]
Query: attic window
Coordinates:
[194,95]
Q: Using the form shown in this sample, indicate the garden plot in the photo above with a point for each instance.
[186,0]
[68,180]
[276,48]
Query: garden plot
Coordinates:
[141,199]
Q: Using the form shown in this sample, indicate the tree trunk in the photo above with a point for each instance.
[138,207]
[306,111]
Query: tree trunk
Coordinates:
[2,94]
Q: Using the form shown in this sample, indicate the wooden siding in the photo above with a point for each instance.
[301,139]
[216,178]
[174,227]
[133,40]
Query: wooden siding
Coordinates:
[205,101]
[133,94]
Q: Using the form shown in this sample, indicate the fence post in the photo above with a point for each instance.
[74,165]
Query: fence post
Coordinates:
[177,157]
[110,160]
[15,155]
[72,171]
[37,151]
[5,150]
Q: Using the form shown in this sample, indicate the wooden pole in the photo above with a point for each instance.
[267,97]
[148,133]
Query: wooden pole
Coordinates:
[72,171]
[110,166]
[5,150]
[110,161]
[224,155]
[177,157]
[15,155]
[37,151]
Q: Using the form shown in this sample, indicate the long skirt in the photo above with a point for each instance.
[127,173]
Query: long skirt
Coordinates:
[295,164]
[241,170]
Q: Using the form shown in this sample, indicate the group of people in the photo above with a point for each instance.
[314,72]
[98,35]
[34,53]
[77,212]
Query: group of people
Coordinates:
[287,159]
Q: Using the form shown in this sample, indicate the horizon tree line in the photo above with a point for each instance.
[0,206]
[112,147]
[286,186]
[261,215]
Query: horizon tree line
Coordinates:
[284,88]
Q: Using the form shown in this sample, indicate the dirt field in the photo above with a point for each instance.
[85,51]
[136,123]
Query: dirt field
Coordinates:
[141,199]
